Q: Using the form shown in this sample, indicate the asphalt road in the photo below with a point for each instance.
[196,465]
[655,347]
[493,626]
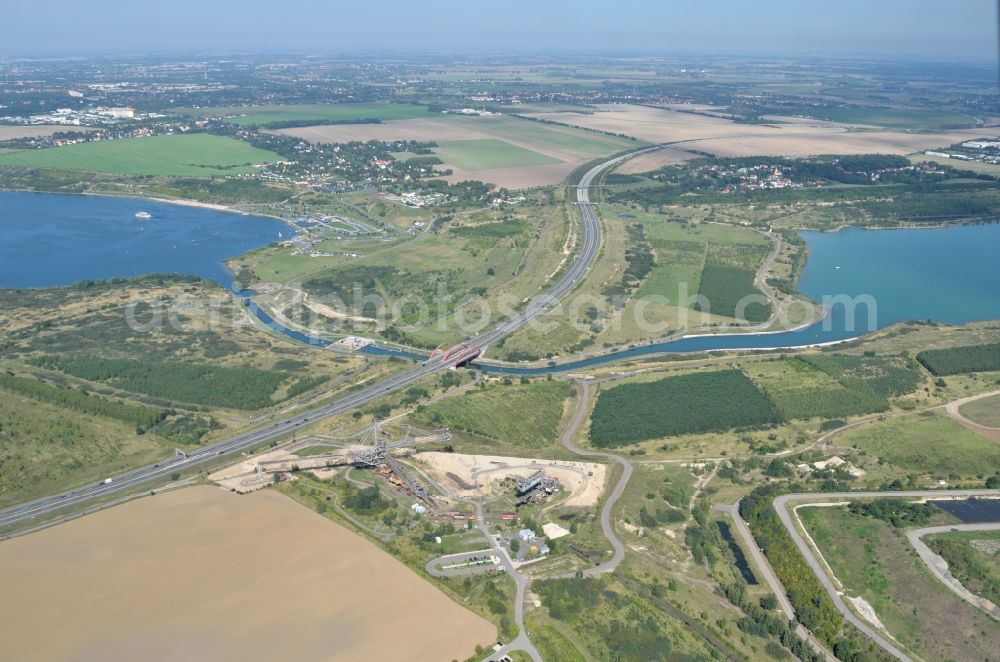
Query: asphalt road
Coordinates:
[939,566]
[161,470]
[521,642]
[764,571]
[618,549]
[781,507]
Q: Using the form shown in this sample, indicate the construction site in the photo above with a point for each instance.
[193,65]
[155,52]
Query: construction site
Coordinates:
[468,477]
[535,489]
[375,448]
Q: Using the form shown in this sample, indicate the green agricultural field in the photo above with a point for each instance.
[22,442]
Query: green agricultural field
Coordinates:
[891,118]
[925,443]
[344,112]
[801,391]
[520,415]
[189,155]
[726,288]
[885,375]
[985,411]
[716,261]
[875,561]
[685,404]
[568,142]
[488,153]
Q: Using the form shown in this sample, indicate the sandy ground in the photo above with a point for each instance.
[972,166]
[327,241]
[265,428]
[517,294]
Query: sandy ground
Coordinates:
[12,132]
[245,476]
[723,137]
[583,480]
[553,531]
[203,574]
[866,610]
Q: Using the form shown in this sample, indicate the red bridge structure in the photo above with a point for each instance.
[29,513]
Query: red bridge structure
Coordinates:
[459,354]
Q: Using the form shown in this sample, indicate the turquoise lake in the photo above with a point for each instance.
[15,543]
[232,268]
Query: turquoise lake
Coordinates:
[945,274]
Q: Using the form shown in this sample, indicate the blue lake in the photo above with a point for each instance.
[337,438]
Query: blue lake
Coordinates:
[48,239]
[946,274]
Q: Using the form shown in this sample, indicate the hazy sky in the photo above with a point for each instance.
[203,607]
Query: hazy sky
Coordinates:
[928,28]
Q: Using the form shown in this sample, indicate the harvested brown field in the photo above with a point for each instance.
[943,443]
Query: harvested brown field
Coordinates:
[657,125]
[517,177]
[799,142]
[35,130]
[722,137]
[654,160]
[204,574]
[437,129]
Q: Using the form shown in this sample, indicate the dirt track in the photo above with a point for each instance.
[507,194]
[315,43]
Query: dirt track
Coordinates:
[953,410]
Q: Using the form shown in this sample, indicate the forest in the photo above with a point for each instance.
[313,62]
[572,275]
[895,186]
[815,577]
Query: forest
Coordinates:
[685,404]
[233,387]
[959,360]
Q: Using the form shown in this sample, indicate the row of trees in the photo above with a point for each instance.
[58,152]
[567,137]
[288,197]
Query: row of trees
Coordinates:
[140,416]
[813,607]
[897,512]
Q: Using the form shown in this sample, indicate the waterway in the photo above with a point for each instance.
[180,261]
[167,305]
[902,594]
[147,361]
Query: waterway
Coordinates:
[950,275]
[48,239]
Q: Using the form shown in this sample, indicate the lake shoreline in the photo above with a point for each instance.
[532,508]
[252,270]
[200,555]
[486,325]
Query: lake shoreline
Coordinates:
[183,202]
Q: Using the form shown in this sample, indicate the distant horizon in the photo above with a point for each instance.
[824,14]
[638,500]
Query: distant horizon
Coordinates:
[806,56]
[893,28]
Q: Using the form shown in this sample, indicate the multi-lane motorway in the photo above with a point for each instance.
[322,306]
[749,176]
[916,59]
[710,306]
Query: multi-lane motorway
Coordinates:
[161,470]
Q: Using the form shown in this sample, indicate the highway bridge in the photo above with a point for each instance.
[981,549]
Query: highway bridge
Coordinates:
[162,470]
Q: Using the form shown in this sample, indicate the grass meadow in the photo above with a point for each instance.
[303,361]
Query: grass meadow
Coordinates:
[189,155]
[520,415]
[875,561]
[928,442]
[345,112]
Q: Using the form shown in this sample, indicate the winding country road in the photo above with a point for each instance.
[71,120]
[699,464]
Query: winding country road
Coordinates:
[788,519]
[618,548]
[162,470]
